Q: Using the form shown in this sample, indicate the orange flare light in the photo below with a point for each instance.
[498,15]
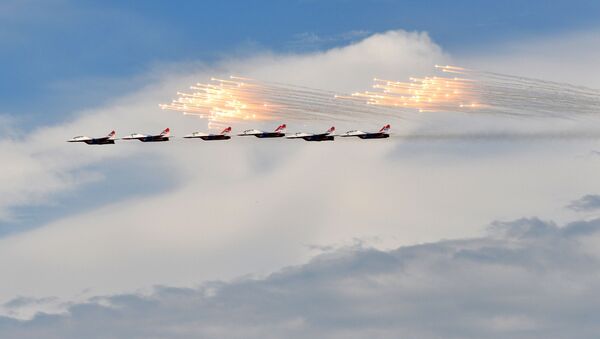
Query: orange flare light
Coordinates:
[426,94]
[223,101]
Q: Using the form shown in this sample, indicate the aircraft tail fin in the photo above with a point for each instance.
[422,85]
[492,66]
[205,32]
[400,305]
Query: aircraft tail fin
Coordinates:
[226,131]
[112,134]
[385,128]
[331,130]
[281,128]
[166,132]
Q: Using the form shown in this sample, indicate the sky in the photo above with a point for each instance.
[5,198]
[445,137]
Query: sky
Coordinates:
[61,56]
[431,237]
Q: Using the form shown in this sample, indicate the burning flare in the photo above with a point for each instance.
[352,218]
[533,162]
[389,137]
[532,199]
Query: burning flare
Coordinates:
[223,101]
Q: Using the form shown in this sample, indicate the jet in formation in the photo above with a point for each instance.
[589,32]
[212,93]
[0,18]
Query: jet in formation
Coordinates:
[327,136]
[277,133]
[383,133]
[224,135]
[204,136]
[107,140]
[163,136]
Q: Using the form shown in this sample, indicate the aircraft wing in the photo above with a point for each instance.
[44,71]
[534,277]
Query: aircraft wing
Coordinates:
[134,136]
[354,133]
[300,135]
[250,132]
[196,135]
[80,138]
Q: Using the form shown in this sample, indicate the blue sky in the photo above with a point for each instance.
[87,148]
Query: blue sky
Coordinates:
[61,56]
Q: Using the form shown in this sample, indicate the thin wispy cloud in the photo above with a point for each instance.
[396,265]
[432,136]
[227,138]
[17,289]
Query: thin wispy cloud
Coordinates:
[312,40]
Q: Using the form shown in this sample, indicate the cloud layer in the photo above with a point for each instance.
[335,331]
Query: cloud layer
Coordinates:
[250,207]
[526,278]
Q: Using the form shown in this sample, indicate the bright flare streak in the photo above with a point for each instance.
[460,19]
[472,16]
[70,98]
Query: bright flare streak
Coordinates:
[223,101]
[428,94]
[237,98]
[481,92]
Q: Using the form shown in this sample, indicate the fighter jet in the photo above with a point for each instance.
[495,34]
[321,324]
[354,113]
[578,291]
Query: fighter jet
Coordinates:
[107,140]
[278,133]
[163,136]
[327,136]
[383,133]
[222,136]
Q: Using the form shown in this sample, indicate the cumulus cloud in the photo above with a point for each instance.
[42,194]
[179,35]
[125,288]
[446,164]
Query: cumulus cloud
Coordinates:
[40,163]
[222,202]
[526,278]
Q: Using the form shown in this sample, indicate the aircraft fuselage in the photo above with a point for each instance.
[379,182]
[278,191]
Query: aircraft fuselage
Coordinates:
[154,138]
[319,138]
[270,135]
[100,142]
[374,136]
[215,137]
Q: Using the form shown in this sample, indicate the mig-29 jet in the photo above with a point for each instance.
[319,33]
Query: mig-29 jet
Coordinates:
[107,140]
[327,136]
[383,133]
[163,136]
[204,136]
[277,133]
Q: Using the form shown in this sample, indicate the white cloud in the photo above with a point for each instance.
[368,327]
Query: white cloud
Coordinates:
[46,157]
[208,217]
[526,278]
[395,54]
